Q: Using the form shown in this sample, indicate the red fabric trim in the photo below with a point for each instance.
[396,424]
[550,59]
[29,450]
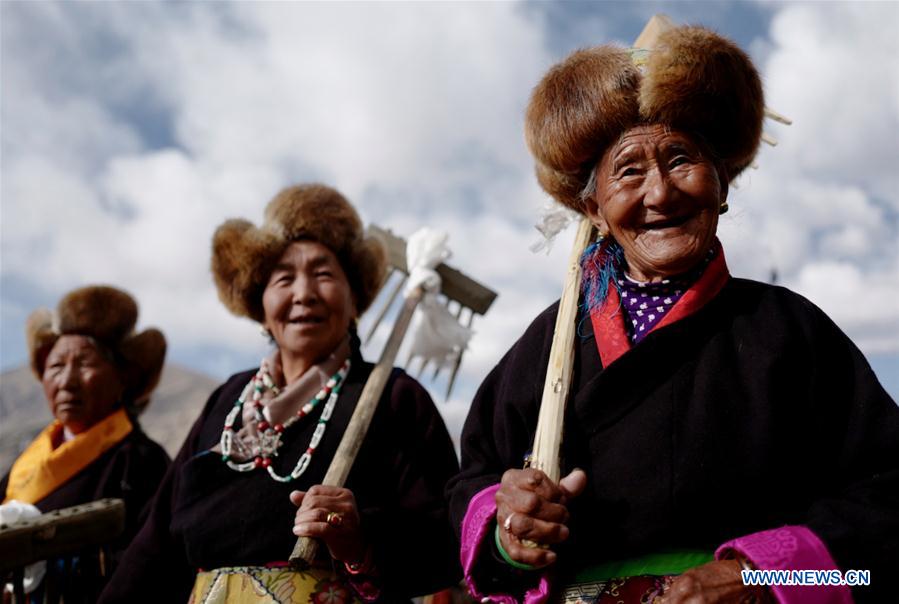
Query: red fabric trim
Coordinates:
[709,284]
[612,340]
[608,327]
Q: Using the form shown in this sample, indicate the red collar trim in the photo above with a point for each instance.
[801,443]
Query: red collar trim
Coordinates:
[608,327]
[608,318]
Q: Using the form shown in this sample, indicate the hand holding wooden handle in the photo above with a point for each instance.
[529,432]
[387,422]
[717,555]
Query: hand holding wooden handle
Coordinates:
[306,548]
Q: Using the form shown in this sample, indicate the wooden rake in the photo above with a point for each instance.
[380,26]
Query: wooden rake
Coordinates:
[455,286]
[545,455]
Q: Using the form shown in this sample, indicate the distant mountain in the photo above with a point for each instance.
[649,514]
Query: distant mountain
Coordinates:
[176,403]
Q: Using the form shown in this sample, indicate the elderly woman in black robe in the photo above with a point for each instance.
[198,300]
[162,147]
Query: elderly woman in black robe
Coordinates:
[97,375]
[715,424]
[247,480]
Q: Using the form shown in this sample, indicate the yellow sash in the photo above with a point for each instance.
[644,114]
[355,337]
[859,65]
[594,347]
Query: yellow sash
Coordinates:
[41,469]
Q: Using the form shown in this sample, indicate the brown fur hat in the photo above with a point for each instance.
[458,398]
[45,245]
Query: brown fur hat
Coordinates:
[243,255]
[695,80]
[108,315]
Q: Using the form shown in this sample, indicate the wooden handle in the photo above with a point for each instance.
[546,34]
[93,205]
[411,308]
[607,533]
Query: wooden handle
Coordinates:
[305,549]
[547,441]
[655,27]
[60,533]
[551,419]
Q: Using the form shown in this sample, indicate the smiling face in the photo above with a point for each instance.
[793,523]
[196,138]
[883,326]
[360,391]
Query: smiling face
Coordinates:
[82,386]
[308,303]
[658,195]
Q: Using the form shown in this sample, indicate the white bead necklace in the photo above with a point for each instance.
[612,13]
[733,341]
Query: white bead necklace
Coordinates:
[269,440]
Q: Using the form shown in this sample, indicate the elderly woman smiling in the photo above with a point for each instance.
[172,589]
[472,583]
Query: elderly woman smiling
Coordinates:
[247,480]
[715,424]
[658,195]
[97,376]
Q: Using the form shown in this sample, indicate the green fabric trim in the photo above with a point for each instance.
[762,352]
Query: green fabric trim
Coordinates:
[657,564]
[508,559]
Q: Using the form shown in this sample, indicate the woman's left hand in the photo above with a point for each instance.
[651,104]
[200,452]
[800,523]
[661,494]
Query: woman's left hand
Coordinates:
[719,581]
[330,514]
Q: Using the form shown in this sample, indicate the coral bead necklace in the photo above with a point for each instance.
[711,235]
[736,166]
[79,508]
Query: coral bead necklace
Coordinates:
[266,444]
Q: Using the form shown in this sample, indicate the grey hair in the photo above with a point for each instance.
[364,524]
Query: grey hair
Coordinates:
[589,190]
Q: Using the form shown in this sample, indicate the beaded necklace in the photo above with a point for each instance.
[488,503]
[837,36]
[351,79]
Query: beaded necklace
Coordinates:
[269,440]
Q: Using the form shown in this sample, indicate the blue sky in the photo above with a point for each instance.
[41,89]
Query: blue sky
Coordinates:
[131,130]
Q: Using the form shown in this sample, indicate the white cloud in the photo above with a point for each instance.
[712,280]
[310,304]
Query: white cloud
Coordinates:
[823,209]
[845,291]
[834,70]
[414,111]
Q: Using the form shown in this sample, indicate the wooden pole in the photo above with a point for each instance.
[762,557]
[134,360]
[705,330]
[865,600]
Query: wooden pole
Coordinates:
[548,440]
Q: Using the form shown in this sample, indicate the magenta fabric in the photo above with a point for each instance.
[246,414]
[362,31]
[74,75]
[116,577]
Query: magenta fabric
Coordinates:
[790,548]
[476,530]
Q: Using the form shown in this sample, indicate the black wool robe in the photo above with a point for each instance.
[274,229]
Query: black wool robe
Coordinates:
[208,516]
[131,470]
[752,413]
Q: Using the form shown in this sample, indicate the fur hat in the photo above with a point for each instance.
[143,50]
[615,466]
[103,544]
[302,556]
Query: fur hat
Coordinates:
[695,80]
[108,315]
[244,255]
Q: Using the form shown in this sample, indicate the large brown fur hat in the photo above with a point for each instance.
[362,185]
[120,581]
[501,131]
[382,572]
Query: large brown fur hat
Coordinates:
[244,255]
[695,80]
[108,315]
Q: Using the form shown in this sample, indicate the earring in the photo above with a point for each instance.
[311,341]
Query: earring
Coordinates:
[723,208]
[264,332]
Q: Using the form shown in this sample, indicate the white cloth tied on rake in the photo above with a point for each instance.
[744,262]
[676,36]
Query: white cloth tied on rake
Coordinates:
[436,334]
[15,511]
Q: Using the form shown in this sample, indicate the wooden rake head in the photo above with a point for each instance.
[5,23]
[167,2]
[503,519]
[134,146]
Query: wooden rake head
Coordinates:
[463,295]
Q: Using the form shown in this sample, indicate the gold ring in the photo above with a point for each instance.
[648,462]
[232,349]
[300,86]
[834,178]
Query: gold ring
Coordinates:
[334,518]
[533,544]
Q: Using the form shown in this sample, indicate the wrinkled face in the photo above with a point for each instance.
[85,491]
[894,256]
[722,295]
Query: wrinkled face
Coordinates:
[308,302]
[82,386]
[659,197]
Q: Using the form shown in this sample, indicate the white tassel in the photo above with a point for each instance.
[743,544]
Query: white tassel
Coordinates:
[554,218]
[436,333]
[425,250]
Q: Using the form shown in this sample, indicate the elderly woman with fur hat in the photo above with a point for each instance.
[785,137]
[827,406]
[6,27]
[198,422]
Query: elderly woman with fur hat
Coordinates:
[97,375]
[714,424]
[247,480]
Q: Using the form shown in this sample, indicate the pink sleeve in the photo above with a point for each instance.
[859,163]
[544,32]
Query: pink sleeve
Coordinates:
[476,532]
[790,548]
